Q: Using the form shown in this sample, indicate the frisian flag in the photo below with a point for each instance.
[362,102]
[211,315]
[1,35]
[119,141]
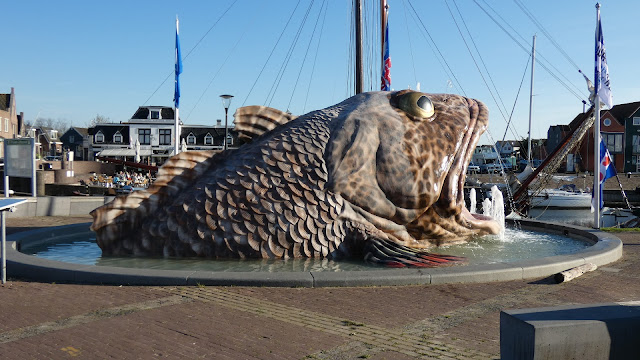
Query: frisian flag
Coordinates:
[602,84]
[386,60]
[607,170]
[176,94]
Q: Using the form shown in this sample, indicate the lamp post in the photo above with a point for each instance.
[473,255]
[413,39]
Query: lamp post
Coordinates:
[226,101]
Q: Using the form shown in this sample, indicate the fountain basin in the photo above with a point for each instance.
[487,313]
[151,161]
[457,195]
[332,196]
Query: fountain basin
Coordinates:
[606,248]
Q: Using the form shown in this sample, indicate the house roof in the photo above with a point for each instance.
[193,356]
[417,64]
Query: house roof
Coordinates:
[624,111]
[81,131]
[108,130]
[143,112]
[5,101]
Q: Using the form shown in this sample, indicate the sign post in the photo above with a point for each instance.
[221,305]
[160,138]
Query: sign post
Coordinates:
[6,205]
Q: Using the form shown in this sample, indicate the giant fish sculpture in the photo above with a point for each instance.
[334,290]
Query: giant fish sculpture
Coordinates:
[378,176]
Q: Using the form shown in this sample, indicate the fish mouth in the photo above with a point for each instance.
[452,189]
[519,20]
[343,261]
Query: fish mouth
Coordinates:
[451,201]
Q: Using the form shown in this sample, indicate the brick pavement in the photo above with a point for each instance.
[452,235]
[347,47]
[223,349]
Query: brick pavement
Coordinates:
[456,321]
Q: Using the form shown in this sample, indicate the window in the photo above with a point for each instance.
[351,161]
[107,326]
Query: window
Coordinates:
[606,122]
[6,125]
[99,137]
[191,139]
[144,136]
[636,144]
[154,114]
[613,141]
[636,121]
[229,140]
[117,138]
[208,140]
[165,136]
[71,139]
[53,134]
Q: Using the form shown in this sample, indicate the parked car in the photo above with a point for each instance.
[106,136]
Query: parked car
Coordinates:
[491,168]
[128,189]
[53,158]
[506,164]
[473,168]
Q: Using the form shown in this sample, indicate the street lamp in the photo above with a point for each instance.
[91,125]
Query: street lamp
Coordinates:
[226,101]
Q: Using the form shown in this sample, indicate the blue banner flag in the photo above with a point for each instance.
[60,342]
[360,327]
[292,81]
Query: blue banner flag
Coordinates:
[176,94]
[602,84]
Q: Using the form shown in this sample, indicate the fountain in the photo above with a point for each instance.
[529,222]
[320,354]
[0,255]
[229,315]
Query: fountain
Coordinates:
[312,190]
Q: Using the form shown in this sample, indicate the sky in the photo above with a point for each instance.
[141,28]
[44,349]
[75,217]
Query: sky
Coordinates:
[73,60]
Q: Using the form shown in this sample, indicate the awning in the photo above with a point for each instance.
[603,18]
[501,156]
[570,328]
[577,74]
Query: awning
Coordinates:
[123,152]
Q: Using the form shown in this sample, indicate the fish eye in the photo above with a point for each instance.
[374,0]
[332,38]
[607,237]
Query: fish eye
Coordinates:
[416,104]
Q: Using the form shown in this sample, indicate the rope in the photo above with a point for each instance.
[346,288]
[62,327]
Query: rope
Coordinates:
[190,51]
[271,53]
[304,59]
[441,59]
[280,75]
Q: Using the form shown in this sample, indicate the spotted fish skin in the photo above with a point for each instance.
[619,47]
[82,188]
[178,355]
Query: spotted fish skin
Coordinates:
[316,186]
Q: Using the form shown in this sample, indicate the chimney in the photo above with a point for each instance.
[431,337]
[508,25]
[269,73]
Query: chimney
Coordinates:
[20,124]
[218,122]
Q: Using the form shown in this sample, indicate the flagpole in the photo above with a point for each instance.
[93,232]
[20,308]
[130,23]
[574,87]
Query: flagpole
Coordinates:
[596,135]
[176,95]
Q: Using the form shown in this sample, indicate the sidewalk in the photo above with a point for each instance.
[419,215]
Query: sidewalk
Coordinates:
[458,321]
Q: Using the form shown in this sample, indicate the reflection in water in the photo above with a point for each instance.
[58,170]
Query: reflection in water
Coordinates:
[80,248]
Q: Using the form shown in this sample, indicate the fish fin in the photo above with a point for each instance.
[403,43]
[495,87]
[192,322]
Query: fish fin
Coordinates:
[122,217]
[253,121]
[390,254]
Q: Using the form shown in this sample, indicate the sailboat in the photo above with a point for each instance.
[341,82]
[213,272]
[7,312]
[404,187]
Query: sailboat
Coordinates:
[564,197]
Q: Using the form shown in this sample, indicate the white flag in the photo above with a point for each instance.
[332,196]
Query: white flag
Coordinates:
[603,87]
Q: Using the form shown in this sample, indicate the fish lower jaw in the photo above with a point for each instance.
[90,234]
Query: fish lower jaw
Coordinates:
[485,225]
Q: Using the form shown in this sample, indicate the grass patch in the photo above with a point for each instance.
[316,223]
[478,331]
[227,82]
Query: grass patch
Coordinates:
[620,230]
[351,323]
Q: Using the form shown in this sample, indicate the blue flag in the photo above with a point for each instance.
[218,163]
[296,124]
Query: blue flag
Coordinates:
[176,94]
[602,84]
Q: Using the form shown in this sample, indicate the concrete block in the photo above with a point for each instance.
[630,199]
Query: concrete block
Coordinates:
[598,331]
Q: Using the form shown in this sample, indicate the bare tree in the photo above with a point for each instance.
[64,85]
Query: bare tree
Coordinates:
[61,125]
[99,119]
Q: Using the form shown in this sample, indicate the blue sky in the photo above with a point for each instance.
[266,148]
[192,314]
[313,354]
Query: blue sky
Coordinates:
[72,60]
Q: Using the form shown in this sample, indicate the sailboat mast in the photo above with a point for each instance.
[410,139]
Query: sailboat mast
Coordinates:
[533,66]
[359,63]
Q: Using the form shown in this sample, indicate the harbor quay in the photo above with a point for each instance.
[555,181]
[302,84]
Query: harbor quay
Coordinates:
[448,321]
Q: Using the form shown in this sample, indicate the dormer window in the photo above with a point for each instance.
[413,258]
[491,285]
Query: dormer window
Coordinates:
[117,138]
[53,134]
[99,137]
[32,133]
[154,114]
[229,140]
[191,139]
[208,139]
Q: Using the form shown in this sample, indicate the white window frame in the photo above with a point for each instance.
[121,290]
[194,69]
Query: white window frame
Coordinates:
[229,140]
[115,138]
[208,139]
[6,125]
[152,111]
[636,120]
[99,137]
[191,139]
